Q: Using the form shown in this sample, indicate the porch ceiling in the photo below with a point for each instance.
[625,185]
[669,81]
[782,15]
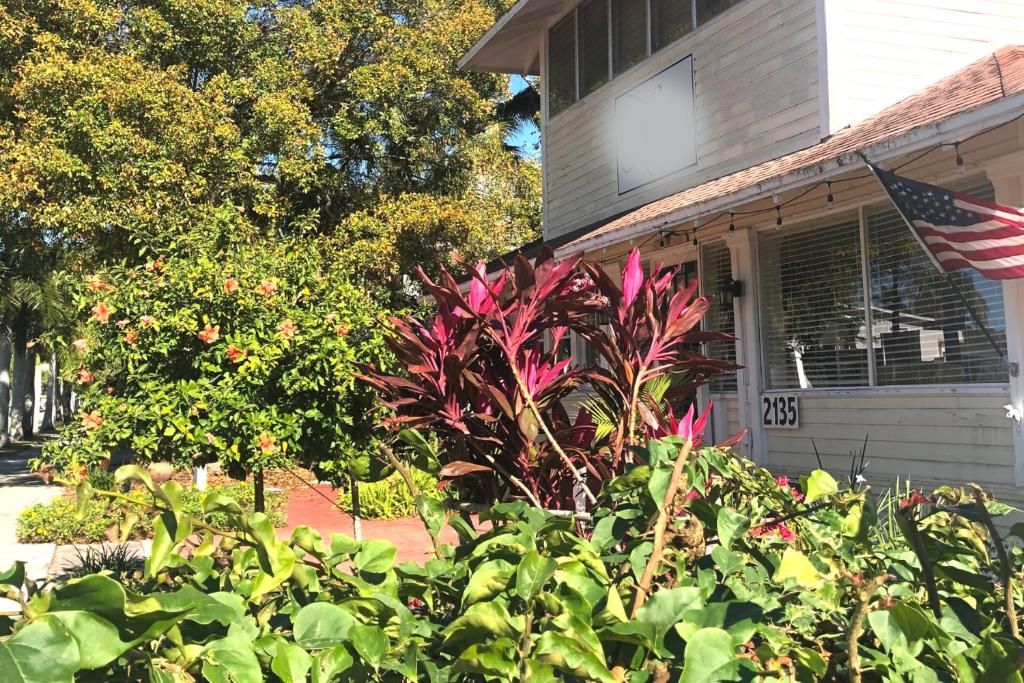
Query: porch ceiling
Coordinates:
[513,43]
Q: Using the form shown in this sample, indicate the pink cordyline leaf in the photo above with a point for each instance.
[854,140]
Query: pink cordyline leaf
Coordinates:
[632,278]
[482,294]
[686,427]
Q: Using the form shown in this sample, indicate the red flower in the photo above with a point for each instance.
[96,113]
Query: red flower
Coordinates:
[209,334]
[267,442]
[415,603]
[130,337]
[231,285]
[84,376]
[783,482]
[101,313]
[97,284]
[288,329]
[235,354]
[915,498]
[769,529]
[110,391]
[91,421]
[267,288]
[342,330]
[154,265]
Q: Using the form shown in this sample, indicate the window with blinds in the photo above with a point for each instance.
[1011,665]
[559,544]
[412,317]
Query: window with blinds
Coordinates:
[709,9]
[670,20]
[629,34]
[922,332]
[593,39]
[562,64]
[813,306]
[716,270]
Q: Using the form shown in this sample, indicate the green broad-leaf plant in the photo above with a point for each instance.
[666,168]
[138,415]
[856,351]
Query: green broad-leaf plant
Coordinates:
[757,579]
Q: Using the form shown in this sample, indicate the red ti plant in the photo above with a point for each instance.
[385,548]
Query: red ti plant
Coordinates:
[485,378]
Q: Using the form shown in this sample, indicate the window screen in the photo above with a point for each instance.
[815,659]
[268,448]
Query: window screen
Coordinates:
[562,64]
[922,332]
[629,33]
[813,310]
[593,34]
[671,19]
[709,9]
[716,270]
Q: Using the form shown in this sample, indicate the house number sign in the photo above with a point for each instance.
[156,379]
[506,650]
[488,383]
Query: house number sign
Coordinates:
[780,411]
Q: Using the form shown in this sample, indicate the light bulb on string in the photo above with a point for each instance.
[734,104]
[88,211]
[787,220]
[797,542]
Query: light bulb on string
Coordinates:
[778,216]
[830,198]
[732,221]
[959,159]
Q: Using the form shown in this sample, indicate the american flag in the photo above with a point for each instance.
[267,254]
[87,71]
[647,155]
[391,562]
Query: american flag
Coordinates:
[957,230]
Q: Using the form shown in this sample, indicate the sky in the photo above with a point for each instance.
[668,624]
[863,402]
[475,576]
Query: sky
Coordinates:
[529,138]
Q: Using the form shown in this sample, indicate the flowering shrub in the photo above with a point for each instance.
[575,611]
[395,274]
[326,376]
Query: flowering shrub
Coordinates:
[529,599]
[485,378]
[244,357]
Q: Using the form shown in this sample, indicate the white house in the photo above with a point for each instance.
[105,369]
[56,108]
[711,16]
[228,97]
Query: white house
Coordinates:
[725,136]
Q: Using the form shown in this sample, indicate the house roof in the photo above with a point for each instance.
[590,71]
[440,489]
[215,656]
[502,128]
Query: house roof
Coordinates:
[513,43]
[996,77]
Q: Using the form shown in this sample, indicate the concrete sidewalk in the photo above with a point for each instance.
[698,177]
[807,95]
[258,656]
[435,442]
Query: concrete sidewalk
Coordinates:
[19,489]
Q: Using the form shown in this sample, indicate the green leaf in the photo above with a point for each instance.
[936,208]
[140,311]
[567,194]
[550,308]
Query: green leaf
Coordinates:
[41,652]
[231,659]
[492,659]
[321,624]
[99,642]
[329,663]
[533,572]
[169,530]
[433,514]
[370,642]
[709,656]
[481,620]
[731,526]
[566,654]
[291,663]
[796,566]
[820,484]
[375,556]
[489,579]
[134,473]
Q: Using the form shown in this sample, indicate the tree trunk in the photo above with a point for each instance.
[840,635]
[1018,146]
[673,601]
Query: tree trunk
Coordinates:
[65,402]
[19,353]
[31,392]
[51,395]
[5,385]
[259,503]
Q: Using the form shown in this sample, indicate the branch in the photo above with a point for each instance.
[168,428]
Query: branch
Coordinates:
[1004,561]
[643,588]
[857,624]
[414,490]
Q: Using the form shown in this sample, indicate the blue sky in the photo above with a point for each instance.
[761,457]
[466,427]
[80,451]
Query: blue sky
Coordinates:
[529,138]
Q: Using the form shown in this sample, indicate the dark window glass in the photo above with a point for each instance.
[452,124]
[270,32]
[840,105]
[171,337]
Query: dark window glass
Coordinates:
[562,64]
[593,45]
[709,9]
[671,19]
[629,33]
[716,270]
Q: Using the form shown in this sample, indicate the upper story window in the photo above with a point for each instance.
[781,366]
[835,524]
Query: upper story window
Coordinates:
[601,39]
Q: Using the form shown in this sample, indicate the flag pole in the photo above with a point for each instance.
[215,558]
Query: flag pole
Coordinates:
[1012,368]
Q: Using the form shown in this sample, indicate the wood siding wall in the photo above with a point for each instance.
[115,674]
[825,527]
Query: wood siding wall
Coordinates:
[880,51]
[756,97]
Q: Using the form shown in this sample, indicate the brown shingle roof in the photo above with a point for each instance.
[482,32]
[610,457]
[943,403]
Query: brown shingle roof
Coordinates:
[994,77]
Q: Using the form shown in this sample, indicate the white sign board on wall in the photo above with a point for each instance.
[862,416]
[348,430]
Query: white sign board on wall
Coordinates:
[654,127]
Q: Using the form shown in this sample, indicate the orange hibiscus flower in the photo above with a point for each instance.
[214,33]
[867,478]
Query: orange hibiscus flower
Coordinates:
[268,287]
[91,421]
[84,376]
[209,334]
[341,330]
[231,285]
[235,354]
[80,345]
[288,329]
[97,284]
[130,337]
[147,321]
[101,313]
[267,442]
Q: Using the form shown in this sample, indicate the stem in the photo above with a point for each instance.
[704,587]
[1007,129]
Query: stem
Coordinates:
[259,500]
[357,522]
[926,566]
[525,644]
[658,551]
[407,476]
[857,624]
[633,401]
[1004,562]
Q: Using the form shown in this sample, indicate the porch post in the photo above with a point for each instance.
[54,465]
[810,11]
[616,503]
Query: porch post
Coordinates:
[1007,177]
[748,346]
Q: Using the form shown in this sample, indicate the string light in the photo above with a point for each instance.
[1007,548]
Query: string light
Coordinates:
[732,221]
[778,215]
[831,198]
[959,159]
